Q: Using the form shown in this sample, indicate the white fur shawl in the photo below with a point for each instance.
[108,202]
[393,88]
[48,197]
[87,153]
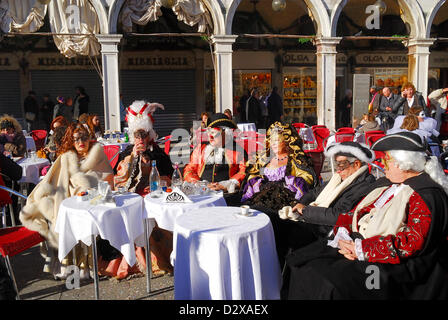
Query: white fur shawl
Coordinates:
[66,177]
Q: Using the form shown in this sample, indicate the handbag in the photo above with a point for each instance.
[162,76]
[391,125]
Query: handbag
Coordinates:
[30,116]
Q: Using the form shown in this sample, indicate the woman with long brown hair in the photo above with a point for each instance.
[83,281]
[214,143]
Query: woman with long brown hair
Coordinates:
[94,124]
[79,166]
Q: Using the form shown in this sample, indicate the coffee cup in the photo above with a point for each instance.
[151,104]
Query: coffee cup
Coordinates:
[245,210]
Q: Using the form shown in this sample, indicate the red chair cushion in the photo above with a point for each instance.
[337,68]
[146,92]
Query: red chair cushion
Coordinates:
[346,130]
[17,239]
[342,137]
[321,133]
[110,151]
[298,125]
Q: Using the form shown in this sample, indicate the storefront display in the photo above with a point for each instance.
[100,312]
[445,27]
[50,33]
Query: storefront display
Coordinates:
[300,94]
[247,79]
[393,78]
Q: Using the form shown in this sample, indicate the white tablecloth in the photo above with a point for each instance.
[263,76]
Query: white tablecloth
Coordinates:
[247,127]
[31,169]
[166,213]
[30,144]
[121,226]
[221,255]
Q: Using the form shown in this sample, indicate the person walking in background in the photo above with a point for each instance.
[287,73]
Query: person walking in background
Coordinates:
[228,113]
[63,108]
[375,98]
[386,113]
[31,108]
[46,112]
[438,99]
[242,107]
[264,111]
[275,106]
[253,109]
[345,108]
[81,102]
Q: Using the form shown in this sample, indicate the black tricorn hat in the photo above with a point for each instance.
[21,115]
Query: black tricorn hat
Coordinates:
[351,149]
[408,141]
[218,120]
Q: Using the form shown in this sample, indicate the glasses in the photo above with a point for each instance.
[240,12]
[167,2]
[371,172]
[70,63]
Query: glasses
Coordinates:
[82,138]
[342,165]
[141,135]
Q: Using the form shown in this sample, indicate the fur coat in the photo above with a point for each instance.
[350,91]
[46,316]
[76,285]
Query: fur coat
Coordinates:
[67,177]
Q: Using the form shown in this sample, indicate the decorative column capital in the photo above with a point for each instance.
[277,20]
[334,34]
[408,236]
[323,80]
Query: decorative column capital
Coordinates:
[223,43]
[109,42]
[419,46]
[327,44]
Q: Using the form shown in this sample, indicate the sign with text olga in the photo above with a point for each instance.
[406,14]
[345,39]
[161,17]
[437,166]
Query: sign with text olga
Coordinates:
[382,58]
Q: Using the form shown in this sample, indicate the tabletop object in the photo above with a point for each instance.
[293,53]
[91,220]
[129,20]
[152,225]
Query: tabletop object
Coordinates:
[247,127]
[165,214]
[221,255]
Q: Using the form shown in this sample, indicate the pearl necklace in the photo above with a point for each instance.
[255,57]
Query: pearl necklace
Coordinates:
[280,159]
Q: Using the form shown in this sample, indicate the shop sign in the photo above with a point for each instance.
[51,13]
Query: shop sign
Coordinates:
[382,58]
[157,60]
[56,61]
[438,59]
[298,58]
[128,60]
[9,62]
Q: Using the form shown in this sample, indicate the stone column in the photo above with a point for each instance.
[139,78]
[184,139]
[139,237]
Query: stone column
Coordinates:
[111,85]
[326,81]
[418,63]
[223,71]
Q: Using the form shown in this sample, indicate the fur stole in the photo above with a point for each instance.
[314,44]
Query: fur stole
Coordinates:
[66,177]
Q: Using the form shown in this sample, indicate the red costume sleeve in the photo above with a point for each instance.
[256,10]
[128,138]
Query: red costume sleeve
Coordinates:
[406,243]
[191,170]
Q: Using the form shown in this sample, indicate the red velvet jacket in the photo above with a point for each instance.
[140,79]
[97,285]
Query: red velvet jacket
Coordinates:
[393,248]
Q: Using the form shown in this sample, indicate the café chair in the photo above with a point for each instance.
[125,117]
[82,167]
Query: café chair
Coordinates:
[14,240]
[39,137]
[112,152]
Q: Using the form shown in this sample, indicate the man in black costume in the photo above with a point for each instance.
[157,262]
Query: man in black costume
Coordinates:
[392,245]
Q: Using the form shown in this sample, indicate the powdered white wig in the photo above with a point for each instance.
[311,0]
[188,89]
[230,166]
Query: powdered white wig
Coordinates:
[139,116]
[419,162]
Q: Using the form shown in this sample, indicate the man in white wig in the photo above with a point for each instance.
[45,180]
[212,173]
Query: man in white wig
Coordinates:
[318,210]
[132,172]
[134,163]
[399,231]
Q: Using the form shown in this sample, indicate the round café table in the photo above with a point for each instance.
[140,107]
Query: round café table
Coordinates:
[221,255]
[31,169]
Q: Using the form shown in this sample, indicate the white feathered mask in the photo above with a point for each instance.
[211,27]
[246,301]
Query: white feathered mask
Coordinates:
[139,116]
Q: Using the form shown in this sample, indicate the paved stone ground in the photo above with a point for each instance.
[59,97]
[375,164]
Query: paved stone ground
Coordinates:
[34,284]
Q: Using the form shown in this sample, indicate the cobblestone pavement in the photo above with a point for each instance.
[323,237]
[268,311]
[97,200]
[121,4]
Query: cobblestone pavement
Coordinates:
[34,284]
